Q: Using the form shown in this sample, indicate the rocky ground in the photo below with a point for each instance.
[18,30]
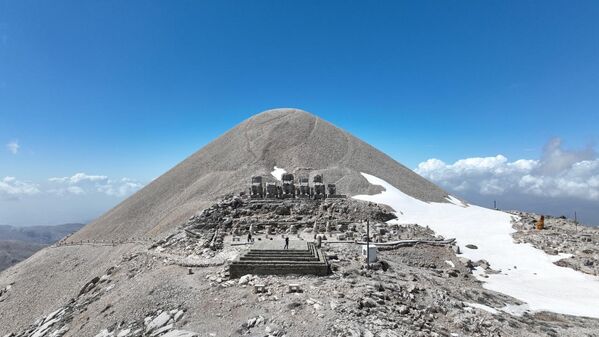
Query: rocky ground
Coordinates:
[413,291]
[561,236]
[237,215]
[179,285]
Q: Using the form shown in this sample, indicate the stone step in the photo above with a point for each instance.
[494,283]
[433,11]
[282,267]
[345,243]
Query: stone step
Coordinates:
[281,262]
[319,269]
[266,257]
[278,258]
[280,251]
[271,262]
[279,254]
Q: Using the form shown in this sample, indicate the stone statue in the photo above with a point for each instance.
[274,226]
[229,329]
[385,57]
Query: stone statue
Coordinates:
[256,190]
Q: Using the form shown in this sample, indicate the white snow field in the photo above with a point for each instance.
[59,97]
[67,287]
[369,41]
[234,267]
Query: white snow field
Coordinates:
[527,273]
[278,173]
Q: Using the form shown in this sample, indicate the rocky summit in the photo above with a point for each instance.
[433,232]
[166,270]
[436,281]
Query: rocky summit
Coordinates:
[198,252]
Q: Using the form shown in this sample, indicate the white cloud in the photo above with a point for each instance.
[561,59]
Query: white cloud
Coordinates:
[559,173]
[13,146]
[79,178]
[123,188]
[11,188]
[82,183]
[556,160]
[75,190]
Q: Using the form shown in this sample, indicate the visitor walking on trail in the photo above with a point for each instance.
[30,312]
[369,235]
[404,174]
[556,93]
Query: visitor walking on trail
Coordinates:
[286,243]
[250,237]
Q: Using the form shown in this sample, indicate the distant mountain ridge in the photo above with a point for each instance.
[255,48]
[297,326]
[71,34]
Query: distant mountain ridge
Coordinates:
[19,243]
[38,234]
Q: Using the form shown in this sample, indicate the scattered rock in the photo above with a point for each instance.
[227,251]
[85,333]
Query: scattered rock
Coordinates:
[245,279]
[158,322]
[180,333]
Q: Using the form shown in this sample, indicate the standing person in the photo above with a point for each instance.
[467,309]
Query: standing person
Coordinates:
[249,236]
[286,243]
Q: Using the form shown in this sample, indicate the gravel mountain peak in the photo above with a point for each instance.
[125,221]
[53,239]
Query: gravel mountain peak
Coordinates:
[292,139]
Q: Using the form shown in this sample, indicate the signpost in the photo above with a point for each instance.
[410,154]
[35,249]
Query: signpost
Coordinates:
[368,244]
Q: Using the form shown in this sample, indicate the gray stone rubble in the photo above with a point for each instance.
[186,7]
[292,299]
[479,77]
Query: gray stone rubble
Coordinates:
[561,236]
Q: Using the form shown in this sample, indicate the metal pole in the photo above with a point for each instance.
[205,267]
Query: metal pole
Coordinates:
[368,244]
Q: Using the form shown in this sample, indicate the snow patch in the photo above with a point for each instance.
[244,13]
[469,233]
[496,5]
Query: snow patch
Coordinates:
[450,263]
[515,310]
[482,307]
[456,201]
[527,273]
[278,173]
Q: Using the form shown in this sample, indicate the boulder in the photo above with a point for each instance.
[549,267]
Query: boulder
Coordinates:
[245,279]
[158,322]
[282,210]
[368,303]
[180,333]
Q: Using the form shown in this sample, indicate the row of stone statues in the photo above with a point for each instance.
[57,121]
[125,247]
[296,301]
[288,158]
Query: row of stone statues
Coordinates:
[288,189]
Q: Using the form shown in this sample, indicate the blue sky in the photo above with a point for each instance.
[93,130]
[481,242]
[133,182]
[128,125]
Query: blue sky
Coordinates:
[127,89]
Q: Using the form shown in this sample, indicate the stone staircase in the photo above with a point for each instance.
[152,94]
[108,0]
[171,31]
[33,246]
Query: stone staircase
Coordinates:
[281,262]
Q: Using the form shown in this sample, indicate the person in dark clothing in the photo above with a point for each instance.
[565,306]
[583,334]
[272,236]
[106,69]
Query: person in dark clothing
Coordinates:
[286,243]
[249,236]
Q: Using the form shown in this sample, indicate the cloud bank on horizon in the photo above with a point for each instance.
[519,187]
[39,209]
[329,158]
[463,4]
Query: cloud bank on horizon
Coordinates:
[77,198]
[11,188]
[81,183]
[558,174]
[77,184]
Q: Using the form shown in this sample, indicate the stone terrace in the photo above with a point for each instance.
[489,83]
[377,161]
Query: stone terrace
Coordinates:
[281,262]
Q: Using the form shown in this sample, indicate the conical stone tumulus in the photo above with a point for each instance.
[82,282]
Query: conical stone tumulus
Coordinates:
[292,139]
